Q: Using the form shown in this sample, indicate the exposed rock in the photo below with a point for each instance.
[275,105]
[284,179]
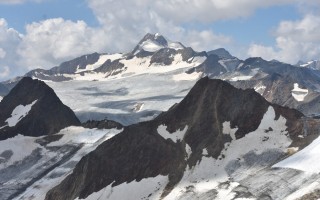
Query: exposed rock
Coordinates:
[103,124]
[46,115]
[141,152]
[221,53]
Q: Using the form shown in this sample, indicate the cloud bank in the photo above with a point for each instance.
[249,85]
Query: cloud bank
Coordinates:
[122,23]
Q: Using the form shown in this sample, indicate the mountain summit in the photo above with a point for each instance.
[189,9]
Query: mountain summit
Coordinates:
[33,109]
[154,42]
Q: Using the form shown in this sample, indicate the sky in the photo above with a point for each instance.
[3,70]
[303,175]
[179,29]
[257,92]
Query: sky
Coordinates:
[45,33]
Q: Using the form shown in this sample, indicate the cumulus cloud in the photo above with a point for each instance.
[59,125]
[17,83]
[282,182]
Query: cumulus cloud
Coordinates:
[295,40]
[2,53]
[52,41]
[122,23]
[4,71]
[9,42]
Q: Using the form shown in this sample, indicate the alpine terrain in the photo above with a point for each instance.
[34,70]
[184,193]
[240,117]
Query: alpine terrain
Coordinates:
[162,121]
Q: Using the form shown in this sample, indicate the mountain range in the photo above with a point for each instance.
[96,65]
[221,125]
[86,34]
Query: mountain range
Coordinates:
[161,122]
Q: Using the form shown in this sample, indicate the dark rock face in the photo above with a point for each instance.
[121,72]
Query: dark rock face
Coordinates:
[3,90]
[69,67]
[103,124]
[141,152]
[153,37]
[221,53]
[210,67]
[279,79]
[47,116]
[110,68]
[163,56]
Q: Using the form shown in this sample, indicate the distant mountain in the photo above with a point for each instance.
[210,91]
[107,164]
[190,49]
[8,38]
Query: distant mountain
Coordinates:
[3,90]
[155,55]
[186,147]
[221,53]
[154,42]
[33,109]
[279,83]
[314,64]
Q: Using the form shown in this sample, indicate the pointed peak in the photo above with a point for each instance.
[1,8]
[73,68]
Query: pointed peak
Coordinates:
[154,42]
[157,37]
[221,53]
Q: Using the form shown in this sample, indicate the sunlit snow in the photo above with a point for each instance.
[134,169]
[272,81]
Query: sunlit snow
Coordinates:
[19,113]
[102,59]
[148,188]
[210,172]
[176,136]
[87,139]
[298,93]
[305,160]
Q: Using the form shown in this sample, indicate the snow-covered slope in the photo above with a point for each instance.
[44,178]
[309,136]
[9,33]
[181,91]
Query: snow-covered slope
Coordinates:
[31,166]
[217,143]
[33,109]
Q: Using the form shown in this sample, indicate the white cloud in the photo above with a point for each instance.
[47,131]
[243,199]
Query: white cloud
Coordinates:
[53,41]
[2,53]
[4,71]
[210,10]
[123,22]
[295,40]
[9,42]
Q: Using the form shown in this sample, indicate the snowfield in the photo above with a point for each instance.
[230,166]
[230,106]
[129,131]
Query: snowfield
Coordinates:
[149,188]
[102,59]
[242,171]
[305,160]
[298,93]
[174,137]
[19,113]
[31,166]
[115,97]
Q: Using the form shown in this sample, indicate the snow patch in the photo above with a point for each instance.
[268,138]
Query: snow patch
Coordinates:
[240,78]
[137,107]
[175,45]
[1,98]
[148,188]
[151,46]
[21,146]
[298,93]
[210,173]
[305,160]
[229,131]
[175,137]
[188,151]
[19,113]
[102,59]
[260,89]
[222,62]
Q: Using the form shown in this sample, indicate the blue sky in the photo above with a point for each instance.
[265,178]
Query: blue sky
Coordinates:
[19,15]
[44,33]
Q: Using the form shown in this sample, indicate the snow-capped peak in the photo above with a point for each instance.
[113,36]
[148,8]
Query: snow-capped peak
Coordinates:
[154,42]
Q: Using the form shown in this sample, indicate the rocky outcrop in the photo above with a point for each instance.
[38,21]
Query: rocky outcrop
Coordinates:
[103,124]
[69,67]
[141,151]
[33,109]
[221,53]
